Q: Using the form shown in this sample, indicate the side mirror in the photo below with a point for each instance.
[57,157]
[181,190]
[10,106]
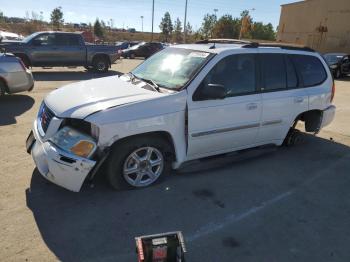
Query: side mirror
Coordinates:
[212,92]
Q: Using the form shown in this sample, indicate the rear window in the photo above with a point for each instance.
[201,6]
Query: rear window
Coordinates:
[310,68]
[274,71]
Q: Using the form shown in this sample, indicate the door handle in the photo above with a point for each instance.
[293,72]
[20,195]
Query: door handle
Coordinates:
[298,99]
[252,106]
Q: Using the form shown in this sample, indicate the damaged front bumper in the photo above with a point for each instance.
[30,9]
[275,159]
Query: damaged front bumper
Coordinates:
[58,166]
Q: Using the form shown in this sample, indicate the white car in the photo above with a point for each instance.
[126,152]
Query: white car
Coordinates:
[185,102]
[8,36]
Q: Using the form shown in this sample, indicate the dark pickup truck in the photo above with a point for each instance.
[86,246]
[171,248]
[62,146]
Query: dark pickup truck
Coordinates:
[61,49]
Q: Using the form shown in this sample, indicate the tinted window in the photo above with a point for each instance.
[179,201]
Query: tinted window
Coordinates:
[68,40]
[274,71]
[74,40]
[236,73]
[44,39]
[310,68]
[292,79]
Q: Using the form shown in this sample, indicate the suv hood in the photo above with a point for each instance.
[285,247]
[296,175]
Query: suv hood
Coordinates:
[78,100]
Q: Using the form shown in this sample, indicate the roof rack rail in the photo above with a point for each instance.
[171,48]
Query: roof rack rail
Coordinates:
[223,41]
[282,46]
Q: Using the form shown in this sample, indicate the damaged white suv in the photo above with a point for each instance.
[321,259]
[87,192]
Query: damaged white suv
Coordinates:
[185,102]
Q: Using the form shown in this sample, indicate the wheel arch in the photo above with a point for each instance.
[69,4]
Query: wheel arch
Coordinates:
[165,135]
[312,119]
[99,55]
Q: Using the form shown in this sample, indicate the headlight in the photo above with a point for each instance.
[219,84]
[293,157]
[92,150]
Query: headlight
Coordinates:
[74,142]
[333,66]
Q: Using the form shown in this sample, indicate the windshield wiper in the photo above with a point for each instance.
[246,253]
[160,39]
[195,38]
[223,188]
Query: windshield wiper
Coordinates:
[150,81]
[131,76]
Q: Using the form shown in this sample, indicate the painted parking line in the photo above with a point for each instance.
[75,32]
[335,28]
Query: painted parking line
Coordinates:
[234,218]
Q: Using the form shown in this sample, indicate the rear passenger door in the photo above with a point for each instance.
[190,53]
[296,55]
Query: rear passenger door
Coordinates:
[282,97]
[70,50]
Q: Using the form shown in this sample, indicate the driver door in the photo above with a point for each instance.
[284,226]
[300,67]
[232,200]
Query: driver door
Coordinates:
[43,51]
[225,124]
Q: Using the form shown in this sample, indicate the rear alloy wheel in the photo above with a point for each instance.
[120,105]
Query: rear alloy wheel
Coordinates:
[138,163]
[293,138]
[132,56]
[101,64]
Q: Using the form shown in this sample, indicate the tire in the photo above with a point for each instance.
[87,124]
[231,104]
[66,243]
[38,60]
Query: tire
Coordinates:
[125,170]
[101,64]
[337,74]
[2,88]
[293,138]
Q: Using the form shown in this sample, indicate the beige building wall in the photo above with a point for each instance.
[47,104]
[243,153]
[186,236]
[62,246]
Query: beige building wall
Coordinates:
[320,24]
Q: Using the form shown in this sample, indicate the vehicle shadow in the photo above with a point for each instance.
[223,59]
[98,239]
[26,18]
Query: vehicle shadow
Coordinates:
[12,106]
[100,224]
[71,75]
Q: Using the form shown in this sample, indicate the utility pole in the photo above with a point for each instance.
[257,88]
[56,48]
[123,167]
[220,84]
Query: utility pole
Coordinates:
[185,23]
[142,22]
[152,19]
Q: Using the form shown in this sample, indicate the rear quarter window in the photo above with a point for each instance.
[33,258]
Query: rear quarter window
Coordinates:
[310,68]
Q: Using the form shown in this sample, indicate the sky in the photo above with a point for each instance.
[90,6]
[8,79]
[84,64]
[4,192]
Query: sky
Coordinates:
[127,13]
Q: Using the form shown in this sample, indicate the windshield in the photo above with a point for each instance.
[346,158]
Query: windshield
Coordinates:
[30,37]
[333,59]
[171,68]
[136,46]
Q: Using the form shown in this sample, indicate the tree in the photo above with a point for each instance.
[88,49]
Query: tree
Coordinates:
[208,25]
[189,29]
[246,25]
[166,26]
[2,17]
[178,31]
[263,32]
[98,30]
[226,27]
[57,17]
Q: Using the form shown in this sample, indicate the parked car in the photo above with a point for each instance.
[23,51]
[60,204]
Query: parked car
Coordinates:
[339,63]
[122,45]
[62,49]
[8,36]
[143,49]
[14,76]
[183,103]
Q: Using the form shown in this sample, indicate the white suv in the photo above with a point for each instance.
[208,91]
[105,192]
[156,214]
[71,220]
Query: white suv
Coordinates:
[185,102]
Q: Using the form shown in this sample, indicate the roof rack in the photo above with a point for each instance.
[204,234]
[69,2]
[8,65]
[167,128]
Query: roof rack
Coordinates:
[223,41]
[282,46]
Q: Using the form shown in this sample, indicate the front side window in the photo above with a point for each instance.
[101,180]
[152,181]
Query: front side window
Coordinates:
[310,68]
[44,40]
[235,73]
[172,68]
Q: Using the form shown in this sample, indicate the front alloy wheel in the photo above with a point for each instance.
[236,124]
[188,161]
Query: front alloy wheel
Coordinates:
[139,162]
[143,166]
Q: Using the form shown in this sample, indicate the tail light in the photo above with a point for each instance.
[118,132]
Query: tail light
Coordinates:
[333,91]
